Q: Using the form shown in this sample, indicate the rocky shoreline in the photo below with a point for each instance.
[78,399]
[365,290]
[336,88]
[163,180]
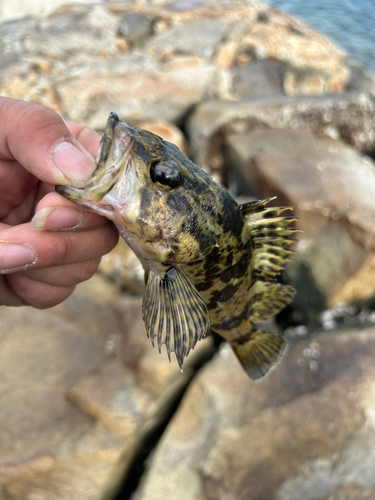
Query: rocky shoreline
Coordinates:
[269,107]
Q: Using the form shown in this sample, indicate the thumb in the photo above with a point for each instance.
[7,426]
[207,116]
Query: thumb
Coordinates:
[39,140]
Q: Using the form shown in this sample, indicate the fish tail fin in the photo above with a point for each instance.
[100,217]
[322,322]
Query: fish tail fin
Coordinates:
[260,353]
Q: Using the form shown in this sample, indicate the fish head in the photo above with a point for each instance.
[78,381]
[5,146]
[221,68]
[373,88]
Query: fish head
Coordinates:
[162,204]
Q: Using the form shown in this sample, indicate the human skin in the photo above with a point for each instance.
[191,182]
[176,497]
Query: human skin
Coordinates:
[47,244]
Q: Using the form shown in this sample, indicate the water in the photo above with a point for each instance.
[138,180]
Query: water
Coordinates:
[349,23]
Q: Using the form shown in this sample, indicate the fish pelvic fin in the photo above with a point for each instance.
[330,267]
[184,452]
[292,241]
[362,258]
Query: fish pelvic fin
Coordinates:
[260,353]
[174,312]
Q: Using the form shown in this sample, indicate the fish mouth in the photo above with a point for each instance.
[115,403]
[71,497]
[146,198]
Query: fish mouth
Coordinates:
[107,138]
[113,164]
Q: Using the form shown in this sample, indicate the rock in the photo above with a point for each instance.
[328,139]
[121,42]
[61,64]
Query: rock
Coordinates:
[198,38]
[123,268]
[305,429]
[331,189]
[360,80]
[352,491]
[138,95]
[76,382]
[13,33]
[22,8]
[85,60]
[135,27]
[349,118]
[257,79]
[313,64]
[73,32]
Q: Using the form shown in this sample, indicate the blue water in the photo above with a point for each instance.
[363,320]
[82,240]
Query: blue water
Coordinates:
[349,23]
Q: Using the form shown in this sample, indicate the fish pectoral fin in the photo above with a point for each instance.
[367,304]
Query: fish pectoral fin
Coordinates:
[260,354]
[174,312]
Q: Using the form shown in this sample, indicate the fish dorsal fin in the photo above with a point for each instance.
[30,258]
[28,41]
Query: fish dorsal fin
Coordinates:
[268,299]
[174,312]
[270,237]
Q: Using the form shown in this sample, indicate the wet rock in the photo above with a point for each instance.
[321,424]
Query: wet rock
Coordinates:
[352,491]
[349,118]
[76,382]
[331,189]
[305,429]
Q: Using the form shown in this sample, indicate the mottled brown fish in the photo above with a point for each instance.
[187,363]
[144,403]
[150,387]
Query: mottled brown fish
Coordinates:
[209,262]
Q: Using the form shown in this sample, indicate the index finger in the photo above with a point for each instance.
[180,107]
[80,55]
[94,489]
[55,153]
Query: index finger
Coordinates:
[41,142]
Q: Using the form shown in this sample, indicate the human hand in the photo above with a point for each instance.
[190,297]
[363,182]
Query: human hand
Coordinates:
[37,152]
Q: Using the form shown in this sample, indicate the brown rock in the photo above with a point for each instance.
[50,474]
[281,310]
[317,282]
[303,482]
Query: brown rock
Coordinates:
[305,429]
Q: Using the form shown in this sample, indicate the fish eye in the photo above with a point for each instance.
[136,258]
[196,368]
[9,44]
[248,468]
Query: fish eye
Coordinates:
[166,175]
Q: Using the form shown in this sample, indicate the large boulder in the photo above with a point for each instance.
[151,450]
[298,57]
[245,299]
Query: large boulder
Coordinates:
[304,430]
[331,189]
[348,117]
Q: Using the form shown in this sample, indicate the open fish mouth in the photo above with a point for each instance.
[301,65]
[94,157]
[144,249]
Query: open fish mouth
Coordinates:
[114,161]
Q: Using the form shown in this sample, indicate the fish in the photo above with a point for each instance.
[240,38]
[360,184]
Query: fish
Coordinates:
[210,263]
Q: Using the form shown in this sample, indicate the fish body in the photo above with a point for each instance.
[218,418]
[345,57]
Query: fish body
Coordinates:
[209,262]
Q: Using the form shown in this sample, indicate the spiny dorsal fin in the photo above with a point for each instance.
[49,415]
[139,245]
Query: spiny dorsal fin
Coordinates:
[268,299]
[252,207]
[270,236]
[174,312]
[260,353]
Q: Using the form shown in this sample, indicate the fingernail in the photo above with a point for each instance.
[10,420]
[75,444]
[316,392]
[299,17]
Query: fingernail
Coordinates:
[14,257]
[56,218]
[72,162]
